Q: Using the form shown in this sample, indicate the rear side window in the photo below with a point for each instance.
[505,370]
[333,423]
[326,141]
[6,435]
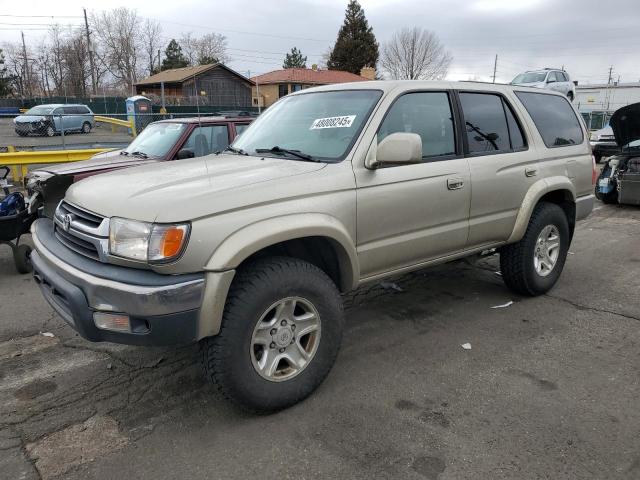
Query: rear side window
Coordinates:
[485,123]
[554,118]
[515,132]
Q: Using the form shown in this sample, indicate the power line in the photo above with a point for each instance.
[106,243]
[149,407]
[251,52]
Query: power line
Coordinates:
[42,16]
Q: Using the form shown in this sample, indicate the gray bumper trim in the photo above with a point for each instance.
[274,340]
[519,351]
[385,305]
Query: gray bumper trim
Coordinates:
[118,296]
[584,206]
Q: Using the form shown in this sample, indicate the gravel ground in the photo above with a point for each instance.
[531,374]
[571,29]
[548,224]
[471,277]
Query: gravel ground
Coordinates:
[549,388]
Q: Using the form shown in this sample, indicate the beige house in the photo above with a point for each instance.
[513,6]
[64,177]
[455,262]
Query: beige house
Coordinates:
[271,86]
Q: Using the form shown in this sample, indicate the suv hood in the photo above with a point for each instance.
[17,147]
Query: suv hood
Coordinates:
[625,123]
[531,84]
[188,189]
[102,161]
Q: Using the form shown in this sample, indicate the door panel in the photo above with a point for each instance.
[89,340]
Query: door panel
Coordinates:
[500,183]
[502,166]
[408,214]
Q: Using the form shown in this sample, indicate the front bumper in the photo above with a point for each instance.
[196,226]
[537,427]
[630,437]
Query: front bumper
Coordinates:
[163,309]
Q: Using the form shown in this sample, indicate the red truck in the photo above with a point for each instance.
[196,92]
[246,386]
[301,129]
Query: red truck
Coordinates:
[165,140]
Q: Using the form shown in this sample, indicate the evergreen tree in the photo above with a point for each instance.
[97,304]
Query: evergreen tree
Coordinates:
[207,60]
[5,88]
[356,46]
[173,57]
[295,59]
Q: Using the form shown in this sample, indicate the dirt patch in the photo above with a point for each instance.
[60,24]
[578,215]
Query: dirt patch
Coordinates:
[35,389]
[57,453]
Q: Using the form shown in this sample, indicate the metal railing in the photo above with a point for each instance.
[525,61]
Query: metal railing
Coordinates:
[19,161]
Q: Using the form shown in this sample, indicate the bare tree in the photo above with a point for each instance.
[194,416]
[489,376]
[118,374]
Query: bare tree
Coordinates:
[152,41]
[210,48]
[188,44]
[119,33]
[415,53]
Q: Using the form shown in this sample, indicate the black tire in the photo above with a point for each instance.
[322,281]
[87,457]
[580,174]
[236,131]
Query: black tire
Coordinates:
[86,127]
[22,258]
[517,259]
[226,357]
[49,131]
[21,133]
[597,157]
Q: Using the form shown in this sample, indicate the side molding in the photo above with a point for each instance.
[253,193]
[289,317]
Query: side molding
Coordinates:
[531,199]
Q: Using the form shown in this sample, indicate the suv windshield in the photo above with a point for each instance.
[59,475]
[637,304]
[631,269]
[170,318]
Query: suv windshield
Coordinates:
[322,125]
[530,77]
[40,110]
[156,139]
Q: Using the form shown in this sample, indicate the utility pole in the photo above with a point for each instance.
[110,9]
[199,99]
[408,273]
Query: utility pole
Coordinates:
[495,67]
[94,86]
[26,66]
[159,64]
[610,70]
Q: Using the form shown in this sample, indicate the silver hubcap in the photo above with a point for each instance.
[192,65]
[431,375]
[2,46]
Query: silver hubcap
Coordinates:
[285,339]
[547,250]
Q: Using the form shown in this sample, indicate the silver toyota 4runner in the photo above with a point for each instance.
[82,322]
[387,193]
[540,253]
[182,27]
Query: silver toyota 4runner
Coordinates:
[248,251]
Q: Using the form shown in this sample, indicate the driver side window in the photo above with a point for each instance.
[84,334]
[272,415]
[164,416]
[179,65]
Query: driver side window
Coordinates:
[207,140]
[429,115]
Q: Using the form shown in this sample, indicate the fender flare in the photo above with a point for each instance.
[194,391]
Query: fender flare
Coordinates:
[254,237]
[533,196]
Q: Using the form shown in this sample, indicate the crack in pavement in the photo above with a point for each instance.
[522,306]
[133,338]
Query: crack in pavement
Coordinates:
[580,306]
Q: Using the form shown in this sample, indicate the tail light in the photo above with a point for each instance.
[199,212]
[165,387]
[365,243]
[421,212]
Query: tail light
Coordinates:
[594,171]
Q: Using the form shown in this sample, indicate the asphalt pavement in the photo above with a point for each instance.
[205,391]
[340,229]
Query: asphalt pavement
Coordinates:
[548,389]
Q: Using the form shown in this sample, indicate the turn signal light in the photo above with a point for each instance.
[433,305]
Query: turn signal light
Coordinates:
[116,322]
[171,242]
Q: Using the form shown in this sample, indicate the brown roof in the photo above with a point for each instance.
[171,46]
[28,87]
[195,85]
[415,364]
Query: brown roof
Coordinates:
[178,75]
[307,75]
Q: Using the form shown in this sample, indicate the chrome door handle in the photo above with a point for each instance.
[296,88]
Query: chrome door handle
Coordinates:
[530,172]
[455,183]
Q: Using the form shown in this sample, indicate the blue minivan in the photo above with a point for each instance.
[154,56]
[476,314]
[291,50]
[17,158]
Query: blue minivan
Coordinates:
[51,119]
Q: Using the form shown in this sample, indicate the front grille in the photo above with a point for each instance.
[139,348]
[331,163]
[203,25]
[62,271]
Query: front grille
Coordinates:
[81,231]
[89,219]
[76,243]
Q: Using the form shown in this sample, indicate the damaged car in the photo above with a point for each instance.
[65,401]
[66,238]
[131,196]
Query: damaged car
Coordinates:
[53,119]
[174,139]
[619,181]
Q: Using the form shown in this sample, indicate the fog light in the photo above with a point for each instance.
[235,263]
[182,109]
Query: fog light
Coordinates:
[112,321]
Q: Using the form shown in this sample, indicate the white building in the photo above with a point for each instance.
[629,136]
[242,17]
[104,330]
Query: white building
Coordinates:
[597,103]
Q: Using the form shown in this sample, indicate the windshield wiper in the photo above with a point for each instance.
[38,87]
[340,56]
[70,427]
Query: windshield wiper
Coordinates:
[239,151]
[295,153]
[124,152]
[140,154]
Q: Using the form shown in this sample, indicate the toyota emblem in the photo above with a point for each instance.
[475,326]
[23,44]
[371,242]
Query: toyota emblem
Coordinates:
[66,222]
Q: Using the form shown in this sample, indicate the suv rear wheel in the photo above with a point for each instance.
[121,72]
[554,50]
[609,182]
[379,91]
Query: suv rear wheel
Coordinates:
[532,265]
[280,334]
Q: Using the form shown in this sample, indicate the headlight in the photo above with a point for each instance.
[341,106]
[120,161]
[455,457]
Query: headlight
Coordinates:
[595,137]
[146,241]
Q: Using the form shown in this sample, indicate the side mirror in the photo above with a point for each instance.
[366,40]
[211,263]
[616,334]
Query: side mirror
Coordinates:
[396,149]
[185,153]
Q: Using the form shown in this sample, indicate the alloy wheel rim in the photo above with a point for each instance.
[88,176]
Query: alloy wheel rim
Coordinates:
[547,250]
[285,339]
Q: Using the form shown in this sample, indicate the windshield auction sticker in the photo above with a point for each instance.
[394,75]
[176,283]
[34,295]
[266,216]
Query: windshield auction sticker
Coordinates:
[333,122]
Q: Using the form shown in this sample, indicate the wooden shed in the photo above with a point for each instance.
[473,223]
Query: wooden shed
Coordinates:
[214,84]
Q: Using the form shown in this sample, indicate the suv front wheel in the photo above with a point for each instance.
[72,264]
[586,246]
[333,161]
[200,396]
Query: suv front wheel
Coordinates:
[532,265]
[280,334]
